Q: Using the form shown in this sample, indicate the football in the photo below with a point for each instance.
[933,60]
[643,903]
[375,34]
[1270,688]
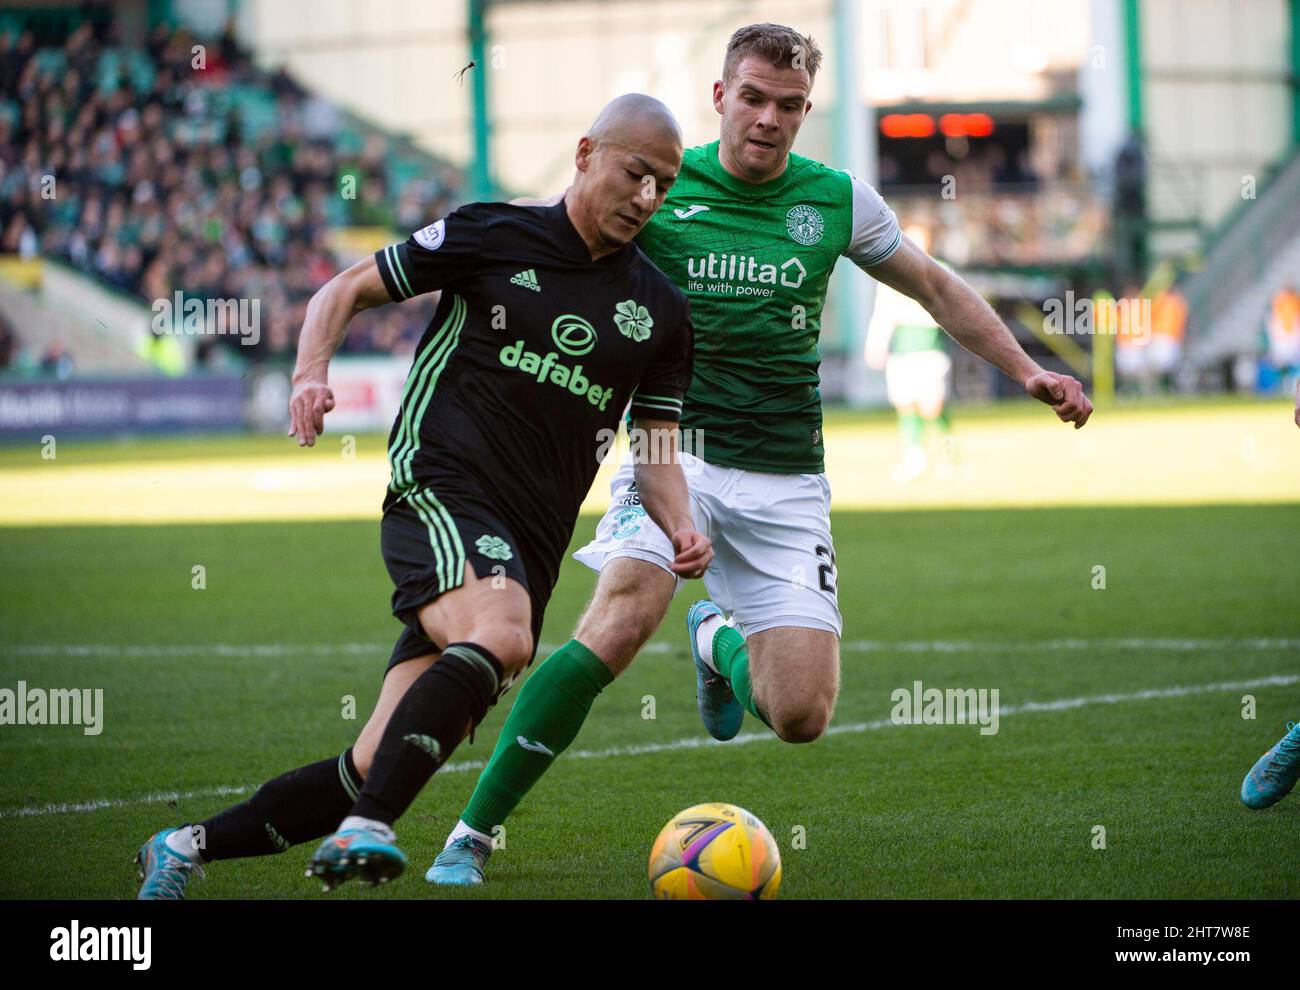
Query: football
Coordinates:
[714,852]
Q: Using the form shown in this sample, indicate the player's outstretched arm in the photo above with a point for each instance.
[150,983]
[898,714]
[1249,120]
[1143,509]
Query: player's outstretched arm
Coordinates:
[662,484]
[323,329]
[971,322]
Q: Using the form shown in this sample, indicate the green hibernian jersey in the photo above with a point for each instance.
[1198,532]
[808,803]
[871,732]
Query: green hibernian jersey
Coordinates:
[755,260]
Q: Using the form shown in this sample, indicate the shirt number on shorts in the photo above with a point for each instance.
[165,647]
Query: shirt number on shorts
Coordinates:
[826,570]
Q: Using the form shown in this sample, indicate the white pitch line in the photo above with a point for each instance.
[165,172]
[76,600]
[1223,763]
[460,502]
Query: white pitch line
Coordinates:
[80,807]
[273,650]
[693,742]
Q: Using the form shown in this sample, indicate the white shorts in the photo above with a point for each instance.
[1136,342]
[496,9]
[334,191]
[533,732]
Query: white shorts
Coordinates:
[1165,352]
[1130,360]
[917,378]
[773,563]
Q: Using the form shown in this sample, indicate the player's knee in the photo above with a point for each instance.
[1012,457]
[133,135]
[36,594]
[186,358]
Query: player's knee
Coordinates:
[803,724]
[511,642]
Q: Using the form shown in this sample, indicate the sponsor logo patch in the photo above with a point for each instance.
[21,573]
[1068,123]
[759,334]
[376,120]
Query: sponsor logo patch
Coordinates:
[431,237]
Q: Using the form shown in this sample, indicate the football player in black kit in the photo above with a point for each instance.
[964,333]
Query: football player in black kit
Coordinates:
[551,322]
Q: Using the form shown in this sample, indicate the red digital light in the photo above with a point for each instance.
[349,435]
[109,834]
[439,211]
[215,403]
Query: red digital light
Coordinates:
[970,125]
[907,125]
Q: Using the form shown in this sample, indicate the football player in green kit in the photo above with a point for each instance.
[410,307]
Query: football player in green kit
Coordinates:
[750,232]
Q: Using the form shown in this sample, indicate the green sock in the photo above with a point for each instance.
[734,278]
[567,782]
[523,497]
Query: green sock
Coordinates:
[913,428]
[731,658]
[550,709]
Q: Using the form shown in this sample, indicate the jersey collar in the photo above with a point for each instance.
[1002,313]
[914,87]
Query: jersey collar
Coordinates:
[573,244]
[747,190]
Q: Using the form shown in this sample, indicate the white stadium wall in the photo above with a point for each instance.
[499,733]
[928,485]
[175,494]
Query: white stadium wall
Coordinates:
[551,66]
[1216,104]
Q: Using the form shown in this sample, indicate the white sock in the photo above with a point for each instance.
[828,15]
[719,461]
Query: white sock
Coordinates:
[181,842]
[704,634]
[463,829]
[370,825]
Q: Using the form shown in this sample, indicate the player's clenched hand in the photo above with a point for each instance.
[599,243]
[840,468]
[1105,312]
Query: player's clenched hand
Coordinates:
[1063,393]
[308,405]
[694,552]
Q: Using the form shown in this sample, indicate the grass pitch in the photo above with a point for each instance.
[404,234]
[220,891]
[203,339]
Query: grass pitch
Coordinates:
[1122,708]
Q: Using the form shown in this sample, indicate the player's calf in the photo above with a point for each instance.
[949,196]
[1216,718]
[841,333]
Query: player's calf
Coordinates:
[304,804]
[441,707]
[630,601]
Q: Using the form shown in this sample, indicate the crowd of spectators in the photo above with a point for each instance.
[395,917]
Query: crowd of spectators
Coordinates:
[992,209]
[1062,224]
[183,166]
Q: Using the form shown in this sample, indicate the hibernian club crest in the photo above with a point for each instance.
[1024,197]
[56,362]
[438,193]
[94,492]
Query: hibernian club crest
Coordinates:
[804,224]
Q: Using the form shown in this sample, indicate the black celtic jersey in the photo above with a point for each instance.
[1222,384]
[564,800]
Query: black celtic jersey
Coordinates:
[533,354]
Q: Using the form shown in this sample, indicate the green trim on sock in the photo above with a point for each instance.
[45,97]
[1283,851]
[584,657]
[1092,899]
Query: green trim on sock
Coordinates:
[731,658]
[550,709]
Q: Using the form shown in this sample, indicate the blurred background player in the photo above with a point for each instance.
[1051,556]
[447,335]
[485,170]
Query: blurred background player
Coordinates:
[1168,327]
[1283,332]
[906,341]
[1132,342]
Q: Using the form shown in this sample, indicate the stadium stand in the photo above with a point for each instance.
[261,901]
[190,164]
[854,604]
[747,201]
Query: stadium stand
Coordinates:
[183,166]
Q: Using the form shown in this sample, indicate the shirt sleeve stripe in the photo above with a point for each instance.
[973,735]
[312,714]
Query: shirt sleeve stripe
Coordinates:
[396,290]
[390,283]
[395,265]
[639,404]
[884,255]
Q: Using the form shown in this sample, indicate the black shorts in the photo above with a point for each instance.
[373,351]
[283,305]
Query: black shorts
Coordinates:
[427,538]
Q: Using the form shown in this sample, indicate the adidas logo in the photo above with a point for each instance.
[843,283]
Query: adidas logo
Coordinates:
[527,279]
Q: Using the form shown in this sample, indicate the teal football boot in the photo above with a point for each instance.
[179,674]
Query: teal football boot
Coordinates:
[460,864]
[1273,776]
[356,853]
[719,709]
[163,873]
